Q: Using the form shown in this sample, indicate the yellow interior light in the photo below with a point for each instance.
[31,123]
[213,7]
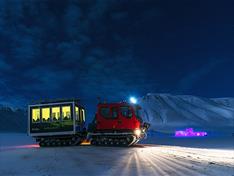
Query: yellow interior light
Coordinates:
[83,112]
[45,114]
[77,112]
[66,112]
[55,113]
[36,115]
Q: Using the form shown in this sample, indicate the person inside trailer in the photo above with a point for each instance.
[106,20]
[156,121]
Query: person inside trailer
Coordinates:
[66,112]
[55,113]
[45,114]
[35,115]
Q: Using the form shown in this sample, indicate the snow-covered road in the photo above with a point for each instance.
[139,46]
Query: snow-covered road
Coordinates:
[142,159]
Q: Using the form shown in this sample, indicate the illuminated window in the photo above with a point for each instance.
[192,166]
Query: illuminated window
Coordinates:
[56,113]
[77,113]
[66,112]
[36,115]
[45,114]
[83,113]
[81,116]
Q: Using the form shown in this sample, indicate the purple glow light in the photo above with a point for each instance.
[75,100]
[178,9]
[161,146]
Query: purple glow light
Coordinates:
[190,133]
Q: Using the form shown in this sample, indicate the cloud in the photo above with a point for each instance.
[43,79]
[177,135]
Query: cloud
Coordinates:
[3,65]
[119,15]
[25,50]
[84,49]
[72,18]
[191,79]
[70,52]
[99,9]
[47,81]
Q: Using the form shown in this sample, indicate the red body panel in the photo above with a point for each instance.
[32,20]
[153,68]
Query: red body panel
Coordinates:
[120,122]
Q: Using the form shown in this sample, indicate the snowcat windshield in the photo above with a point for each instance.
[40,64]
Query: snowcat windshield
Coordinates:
[138,113]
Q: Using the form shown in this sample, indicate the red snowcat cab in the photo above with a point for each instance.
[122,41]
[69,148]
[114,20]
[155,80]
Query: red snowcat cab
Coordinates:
[117,124]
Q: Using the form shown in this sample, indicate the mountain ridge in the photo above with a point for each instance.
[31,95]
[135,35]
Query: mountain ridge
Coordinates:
[166,111]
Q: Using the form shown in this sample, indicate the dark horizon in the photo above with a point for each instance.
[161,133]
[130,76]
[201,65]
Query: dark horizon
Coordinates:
[115,49]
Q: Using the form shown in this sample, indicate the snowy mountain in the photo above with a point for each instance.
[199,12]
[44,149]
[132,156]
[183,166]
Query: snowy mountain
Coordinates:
[170,112]
[225,101]
[13,119]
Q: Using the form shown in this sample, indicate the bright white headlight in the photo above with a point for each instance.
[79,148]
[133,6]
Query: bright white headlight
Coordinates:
[133,100]
[137,132]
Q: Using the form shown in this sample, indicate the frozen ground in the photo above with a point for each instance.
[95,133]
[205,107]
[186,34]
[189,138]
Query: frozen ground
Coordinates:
[157,156]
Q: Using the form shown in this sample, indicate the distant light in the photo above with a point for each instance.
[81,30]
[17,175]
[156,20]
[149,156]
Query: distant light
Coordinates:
[133,100]
[190,133]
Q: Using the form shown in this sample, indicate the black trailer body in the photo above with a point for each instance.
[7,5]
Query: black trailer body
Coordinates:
[56,122]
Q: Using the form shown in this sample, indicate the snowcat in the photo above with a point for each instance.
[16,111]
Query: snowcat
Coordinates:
[117,124]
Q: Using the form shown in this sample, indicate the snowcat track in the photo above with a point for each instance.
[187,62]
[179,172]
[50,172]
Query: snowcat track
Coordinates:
[58,142]
[114,141]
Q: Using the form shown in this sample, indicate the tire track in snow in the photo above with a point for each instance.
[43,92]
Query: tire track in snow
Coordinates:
[157,163]
[104,161]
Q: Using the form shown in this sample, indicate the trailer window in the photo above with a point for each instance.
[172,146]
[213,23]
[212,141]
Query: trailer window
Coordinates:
[35,115]
[77,113]
[126,111]
[66,112]
[83,113]
[105,112]
[45,114]
[81,116]
[138,113]
[56,113]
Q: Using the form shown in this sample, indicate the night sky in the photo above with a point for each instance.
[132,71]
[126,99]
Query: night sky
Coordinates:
[115,48]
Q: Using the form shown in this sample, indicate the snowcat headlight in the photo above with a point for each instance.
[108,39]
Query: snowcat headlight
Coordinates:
[137,132]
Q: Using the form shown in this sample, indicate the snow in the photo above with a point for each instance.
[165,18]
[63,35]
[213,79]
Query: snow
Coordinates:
[225,101]
[13,139]
[152,157]
[167,112]
[160,154]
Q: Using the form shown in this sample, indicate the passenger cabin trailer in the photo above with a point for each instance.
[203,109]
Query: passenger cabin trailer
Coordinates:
[57,123]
